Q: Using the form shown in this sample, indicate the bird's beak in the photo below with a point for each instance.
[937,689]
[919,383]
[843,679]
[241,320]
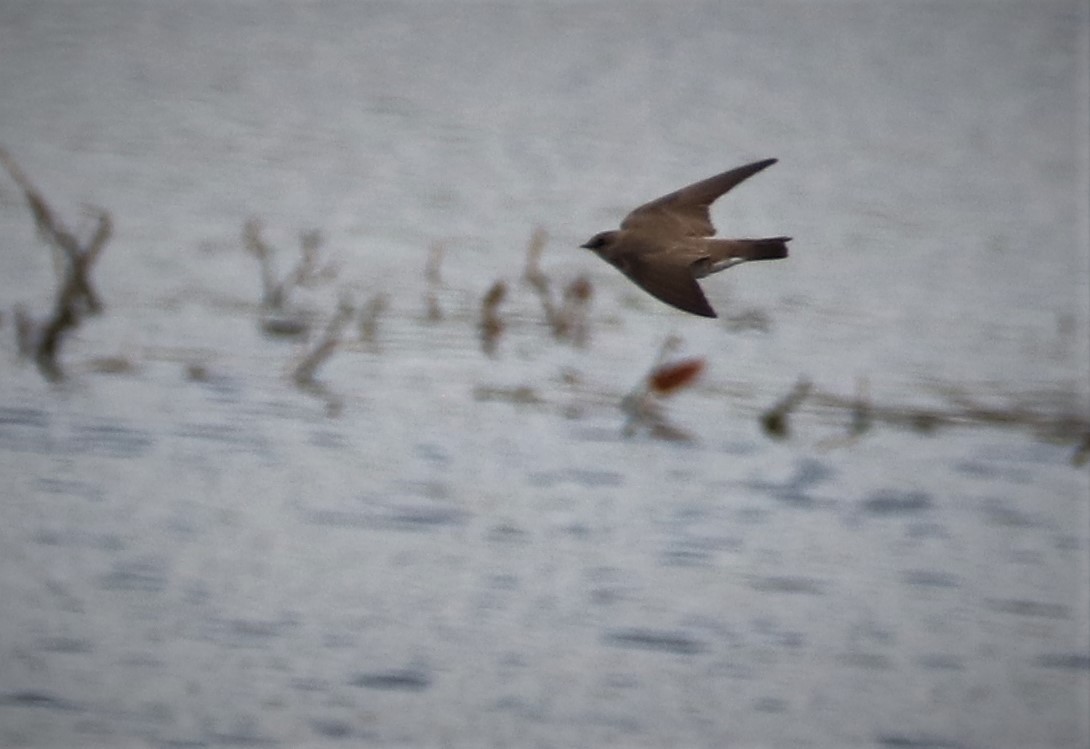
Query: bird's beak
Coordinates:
[585,245]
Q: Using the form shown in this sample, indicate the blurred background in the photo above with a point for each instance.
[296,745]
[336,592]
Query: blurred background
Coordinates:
[468,527]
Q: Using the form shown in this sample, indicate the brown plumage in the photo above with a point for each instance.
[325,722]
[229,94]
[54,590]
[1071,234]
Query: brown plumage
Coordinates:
[664,246]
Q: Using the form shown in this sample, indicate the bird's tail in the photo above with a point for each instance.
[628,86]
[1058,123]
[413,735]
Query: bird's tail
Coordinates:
[724,253]
[771,248]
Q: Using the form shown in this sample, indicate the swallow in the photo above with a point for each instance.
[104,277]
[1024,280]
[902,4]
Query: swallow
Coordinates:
[664,246]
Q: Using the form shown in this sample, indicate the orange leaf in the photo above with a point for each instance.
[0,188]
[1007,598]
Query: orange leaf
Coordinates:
[675,375]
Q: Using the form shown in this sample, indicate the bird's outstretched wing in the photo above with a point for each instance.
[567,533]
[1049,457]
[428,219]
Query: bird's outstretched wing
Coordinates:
[686,211]
[670,281]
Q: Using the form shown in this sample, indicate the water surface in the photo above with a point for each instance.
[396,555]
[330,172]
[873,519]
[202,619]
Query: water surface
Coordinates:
[470,553]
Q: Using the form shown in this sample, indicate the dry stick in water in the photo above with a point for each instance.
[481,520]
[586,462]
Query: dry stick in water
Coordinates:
[304,372]
[369,318]
[75,259]
[553,318]
[491,326]
[569,321]
[80,269]
[271,294]
[75,295]
[435,281]
[534,250]
[575,313]
[52,333]
[1066,426]
[539,282]
[775,420]
[307,272]
[46,224]
[862,418]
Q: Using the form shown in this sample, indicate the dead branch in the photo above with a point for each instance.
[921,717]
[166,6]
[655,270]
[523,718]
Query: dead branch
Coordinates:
[48,226]
[568,321]
[303,375]
[860,414]
[52,333]
[75,296]
[538,239]
[539,282]
[369,316]
[24,332]
[434,282]
[307,271]
[774,421]
[573,320]
[533,276]
[1059,423]
[491,325]
[304,371]
[255,245]
[79,267]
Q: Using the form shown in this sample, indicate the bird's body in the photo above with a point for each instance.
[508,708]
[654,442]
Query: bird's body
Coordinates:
[664,246]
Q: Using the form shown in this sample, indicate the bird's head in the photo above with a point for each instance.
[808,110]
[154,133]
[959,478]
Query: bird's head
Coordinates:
[601,242]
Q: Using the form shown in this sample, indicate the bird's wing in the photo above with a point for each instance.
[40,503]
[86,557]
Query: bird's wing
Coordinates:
[668,280]
[686,211]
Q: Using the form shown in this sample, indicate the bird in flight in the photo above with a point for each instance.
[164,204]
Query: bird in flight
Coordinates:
[664,246]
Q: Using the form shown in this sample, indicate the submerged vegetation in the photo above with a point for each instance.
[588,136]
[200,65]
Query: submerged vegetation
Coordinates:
[565,318]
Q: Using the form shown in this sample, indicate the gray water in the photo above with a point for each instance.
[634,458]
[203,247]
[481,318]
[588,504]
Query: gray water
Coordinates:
[468,551]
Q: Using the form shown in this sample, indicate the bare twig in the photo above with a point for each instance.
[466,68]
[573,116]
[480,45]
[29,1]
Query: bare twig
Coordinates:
[306,273]
[369,316]
[75,296]
[79,266]
[568,320]
[52,333]
[534,250]
[434,280]
[304,371]
[539,282]
[491,326]
[1062,423]
[303,375]
[255,244]
[49,227]
[533,276]
[862,417]
[573,322]
[24,332]
[774,421]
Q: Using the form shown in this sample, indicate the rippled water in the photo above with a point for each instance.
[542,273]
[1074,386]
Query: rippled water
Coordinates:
[469,552]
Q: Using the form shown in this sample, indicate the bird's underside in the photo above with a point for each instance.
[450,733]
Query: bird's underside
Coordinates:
[671,275]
